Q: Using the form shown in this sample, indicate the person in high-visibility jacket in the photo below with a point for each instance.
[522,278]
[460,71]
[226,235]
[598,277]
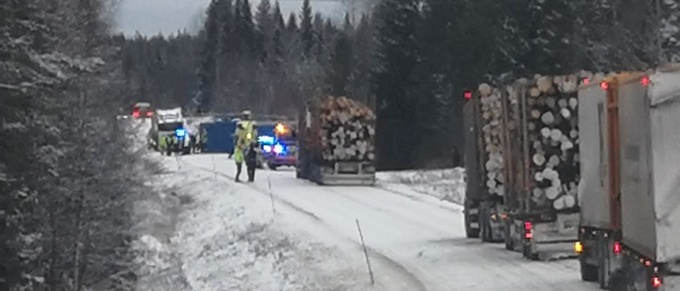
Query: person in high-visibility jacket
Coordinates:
[246,133]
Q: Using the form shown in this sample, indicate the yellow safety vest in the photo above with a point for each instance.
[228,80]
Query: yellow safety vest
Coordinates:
[246,135]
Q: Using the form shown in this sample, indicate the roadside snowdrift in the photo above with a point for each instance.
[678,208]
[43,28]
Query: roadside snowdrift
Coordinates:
[229,238]
[447,185]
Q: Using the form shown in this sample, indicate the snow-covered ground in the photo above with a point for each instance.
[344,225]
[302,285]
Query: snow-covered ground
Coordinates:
[420,238]
[446,185]
[201,231]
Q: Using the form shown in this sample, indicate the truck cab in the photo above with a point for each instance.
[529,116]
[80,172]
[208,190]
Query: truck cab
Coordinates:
[168,124]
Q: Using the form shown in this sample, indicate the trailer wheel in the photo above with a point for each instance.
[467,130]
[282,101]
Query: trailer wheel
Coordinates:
[589,273]
[469,232]
[509,242]
[484,225]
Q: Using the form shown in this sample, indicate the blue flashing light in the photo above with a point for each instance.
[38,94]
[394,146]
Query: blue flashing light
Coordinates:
[180,132]
[265,139]
[267,148]
[278,149]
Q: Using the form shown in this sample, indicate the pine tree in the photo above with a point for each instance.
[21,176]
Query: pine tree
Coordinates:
[363,48]
[212,32]
[244,30]
[340,65]
[291,24]
[265,28]
[395,84]
[307,29]
[279,31]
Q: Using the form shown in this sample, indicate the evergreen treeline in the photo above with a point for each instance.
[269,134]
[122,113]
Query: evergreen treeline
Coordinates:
[409,59]
[67,179]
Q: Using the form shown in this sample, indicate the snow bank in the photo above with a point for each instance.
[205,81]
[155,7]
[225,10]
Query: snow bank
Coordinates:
[447,184]
[229,240]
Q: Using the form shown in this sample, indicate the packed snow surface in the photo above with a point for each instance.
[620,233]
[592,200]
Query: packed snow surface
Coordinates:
[419,239]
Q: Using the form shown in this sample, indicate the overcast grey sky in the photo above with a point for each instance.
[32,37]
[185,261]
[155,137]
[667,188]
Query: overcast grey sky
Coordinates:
[150,17]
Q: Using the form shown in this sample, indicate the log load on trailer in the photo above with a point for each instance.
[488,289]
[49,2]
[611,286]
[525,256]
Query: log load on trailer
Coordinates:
[336,142]
[529,134]
[483,205]
[635,245]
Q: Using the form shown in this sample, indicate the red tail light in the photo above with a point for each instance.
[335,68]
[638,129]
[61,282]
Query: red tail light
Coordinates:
[149,113]
[586,81]
[656,282]
[617,247]
[468,95]
[528,233]
[604,86]
[135,114]
[645,81]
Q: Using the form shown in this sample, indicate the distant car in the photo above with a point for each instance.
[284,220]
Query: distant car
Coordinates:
[142,110]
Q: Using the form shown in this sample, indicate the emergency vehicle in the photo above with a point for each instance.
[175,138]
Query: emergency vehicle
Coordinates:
[168,125]
[281,148]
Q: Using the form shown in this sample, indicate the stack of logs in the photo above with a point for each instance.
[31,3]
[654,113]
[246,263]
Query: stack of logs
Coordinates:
[491,112]
[347,130]
[552,131]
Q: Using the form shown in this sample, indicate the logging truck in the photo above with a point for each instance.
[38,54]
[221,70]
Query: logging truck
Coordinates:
[336,142]
[482,208]
[528,165]
[629,236]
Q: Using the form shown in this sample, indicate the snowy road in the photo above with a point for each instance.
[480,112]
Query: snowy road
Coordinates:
[422,239]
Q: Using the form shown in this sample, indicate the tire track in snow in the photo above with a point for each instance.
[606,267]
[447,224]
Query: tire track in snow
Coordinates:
[411,278]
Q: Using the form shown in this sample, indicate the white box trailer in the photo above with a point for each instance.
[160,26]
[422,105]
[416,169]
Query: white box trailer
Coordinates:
[630,190]
[650,167]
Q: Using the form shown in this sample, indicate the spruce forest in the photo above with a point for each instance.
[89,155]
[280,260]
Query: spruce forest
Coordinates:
[68,179]
[411,59]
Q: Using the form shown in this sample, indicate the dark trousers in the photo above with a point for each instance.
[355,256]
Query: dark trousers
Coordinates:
[251,173]
[251,163]
[239,166]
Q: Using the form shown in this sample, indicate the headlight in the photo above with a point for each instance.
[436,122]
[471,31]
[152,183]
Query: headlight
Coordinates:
[267,148]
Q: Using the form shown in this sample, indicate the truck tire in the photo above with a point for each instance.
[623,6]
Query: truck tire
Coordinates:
[604,276]
[527,253]
[589,273]
[485,228]
[469,232]
[508,238]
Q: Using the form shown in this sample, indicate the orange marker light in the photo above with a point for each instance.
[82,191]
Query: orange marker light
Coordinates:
[280,128]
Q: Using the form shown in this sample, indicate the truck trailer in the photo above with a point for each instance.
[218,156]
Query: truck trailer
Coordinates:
[630,220]
[336,142]
[527,134]
[540,149]
[483,210]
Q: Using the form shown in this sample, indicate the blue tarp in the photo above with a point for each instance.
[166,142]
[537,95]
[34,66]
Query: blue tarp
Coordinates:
[219,137]
[220,133]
